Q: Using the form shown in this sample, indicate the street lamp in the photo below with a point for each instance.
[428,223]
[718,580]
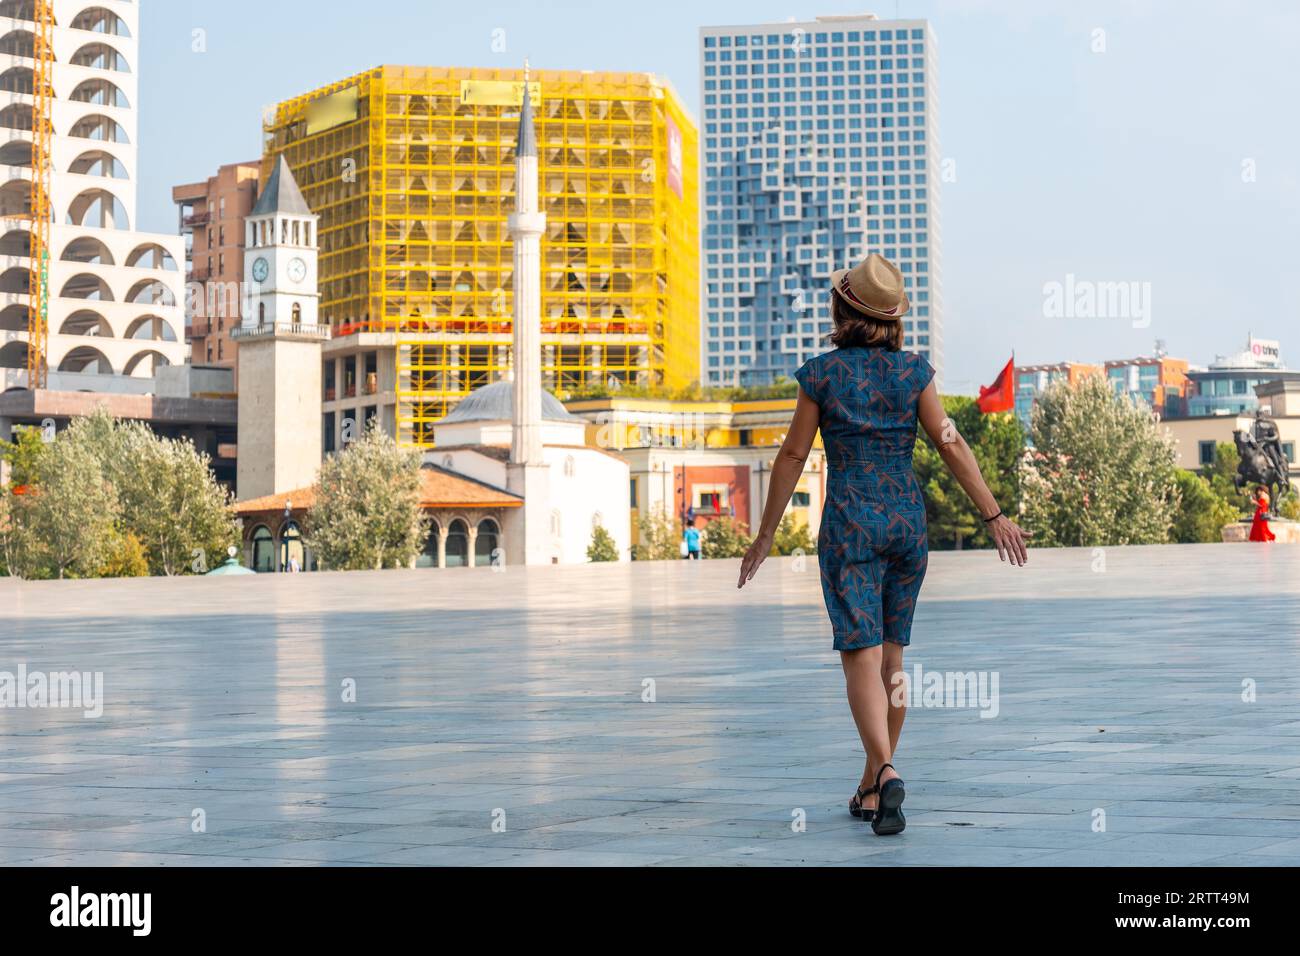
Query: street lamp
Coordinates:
[284,536]
[680,492]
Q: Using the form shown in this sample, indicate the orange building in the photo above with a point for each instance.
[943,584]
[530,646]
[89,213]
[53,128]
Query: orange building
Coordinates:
[1032,380]
[1158,380]
[212,221]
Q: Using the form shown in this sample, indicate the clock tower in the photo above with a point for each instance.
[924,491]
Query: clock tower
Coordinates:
[280,255]
[279,371]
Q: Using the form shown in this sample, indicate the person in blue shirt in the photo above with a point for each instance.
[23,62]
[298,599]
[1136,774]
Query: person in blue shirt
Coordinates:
[692,537]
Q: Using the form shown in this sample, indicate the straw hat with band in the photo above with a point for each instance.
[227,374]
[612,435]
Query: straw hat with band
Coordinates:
[873,287]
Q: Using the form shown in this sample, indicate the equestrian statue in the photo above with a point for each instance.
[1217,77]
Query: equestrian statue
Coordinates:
[1262,459]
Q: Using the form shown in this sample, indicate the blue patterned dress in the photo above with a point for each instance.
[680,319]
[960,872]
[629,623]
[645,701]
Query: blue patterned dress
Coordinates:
[872,547]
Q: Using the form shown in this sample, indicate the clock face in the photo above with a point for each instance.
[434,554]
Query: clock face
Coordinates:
[297,270]
[260,269]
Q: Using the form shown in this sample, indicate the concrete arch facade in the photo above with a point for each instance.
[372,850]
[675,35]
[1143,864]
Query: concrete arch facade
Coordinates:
[120,318]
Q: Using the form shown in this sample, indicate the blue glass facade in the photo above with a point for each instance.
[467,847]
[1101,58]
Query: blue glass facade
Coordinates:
[1231,391]
[819,145]
[1033,380]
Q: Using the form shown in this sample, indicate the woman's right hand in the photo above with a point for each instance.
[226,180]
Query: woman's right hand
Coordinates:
[756,555]
[1009,539]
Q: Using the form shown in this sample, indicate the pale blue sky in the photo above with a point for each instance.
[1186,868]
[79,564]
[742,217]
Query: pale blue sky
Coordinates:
[1117,166]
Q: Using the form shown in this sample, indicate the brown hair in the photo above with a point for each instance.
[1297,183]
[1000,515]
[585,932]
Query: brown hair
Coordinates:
[854,328]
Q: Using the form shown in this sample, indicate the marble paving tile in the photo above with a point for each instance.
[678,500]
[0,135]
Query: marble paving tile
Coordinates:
[650,714]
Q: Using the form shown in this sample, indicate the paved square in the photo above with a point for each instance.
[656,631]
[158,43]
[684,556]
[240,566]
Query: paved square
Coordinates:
[517,697]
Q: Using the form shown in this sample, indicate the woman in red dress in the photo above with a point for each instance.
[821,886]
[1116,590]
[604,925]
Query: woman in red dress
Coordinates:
[1259,530]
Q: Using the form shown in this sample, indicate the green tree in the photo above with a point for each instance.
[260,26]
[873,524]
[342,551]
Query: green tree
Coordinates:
[20,554]
[367,510]
[158,494]
[792,535]
[998,442]
[724,538]
[17,555]
[169,501]
[24,455]
[70,514]
[1201,513]
[657,538]
[602,547]
[127,558]
[1222,473]
[1102,471]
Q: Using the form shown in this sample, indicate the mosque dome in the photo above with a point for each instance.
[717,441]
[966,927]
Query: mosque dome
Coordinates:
[496,403]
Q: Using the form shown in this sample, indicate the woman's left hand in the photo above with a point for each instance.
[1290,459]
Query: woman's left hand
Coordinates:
[1009,539]
[756,555]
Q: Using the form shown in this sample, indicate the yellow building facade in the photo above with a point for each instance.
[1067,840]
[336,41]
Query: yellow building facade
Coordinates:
[696,460]
[411,172]
[617,423]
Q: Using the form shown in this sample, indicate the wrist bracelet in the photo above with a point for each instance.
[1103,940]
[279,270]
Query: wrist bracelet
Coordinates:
[993,517]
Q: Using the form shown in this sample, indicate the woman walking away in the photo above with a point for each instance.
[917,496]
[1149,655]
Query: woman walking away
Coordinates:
[866,396]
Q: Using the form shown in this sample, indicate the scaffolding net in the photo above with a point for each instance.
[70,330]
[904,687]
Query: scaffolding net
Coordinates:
[411,171]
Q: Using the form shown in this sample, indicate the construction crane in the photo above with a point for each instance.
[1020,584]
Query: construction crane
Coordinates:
[38,286]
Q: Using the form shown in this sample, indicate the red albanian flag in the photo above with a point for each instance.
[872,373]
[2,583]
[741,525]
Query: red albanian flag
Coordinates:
[1001,395]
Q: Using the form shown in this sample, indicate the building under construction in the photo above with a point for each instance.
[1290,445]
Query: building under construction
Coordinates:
[411,170]
[87,302]
[91,309]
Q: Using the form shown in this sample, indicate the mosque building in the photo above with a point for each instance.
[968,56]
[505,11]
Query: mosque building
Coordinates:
[510,481]
[585,487]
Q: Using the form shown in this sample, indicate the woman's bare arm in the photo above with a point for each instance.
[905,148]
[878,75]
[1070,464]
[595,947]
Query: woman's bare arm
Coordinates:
[956,454]
[786,469]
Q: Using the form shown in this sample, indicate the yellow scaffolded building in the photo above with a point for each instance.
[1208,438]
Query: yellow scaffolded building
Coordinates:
[411,170]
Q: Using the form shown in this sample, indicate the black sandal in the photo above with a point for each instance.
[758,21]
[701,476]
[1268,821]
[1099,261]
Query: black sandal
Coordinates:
[857,809]
[888,818]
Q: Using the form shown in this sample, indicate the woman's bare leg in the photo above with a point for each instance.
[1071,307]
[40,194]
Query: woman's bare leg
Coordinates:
[893,677]
[870,706]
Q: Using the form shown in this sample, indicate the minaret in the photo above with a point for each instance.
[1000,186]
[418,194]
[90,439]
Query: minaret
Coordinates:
[528,528]
[526,226]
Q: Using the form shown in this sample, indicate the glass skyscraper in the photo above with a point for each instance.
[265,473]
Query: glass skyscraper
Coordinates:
[819,145]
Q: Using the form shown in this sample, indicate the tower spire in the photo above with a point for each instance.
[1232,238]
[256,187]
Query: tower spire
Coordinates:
[526,226]
[527,474]
[527,142]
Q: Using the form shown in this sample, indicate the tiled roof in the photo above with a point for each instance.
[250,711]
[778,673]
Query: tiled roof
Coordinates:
[442,488]
[439,488]
[499,452]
